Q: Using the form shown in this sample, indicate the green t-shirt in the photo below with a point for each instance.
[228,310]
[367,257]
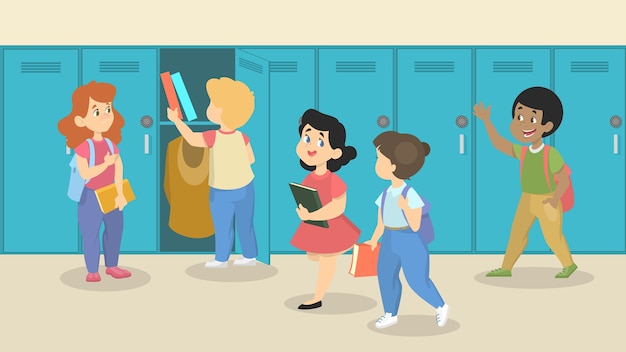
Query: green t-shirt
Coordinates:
[533,177]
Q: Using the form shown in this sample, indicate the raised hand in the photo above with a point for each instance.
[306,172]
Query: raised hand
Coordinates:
[172,115]
[481,112]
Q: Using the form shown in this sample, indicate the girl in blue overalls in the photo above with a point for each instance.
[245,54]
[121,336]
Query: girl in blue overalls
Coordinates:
[400,156]
[94,117]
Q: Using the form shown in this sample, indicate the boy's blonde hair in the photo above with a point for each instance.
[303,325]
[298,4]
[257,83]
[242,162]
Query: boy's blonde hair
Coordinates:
[234,98]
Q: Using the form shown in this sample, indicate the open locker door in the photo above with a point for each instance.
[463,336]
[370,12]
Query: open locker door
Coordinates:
[254,72]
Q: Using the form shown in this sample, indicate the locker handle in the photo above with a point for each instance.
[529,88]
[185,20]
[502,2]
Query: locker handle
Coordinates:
[67,150]
[615,144]
[461,144]
[146,144]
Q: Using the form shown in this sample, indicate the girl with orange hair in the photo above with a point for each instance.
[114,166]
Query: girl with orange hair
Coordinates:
[93,117]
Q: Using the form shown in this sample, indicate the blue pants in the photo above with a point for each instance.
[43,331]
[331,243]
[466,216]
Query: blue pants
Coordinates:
[404,249]
[230,207]
[90,219]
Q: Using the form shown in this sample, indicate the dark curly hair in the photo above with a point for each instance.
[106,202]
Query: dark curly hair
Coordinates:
[336,137]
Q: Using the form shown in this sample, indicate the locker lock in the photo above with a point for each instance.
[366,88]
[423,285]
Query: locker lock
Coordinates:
[615,121]
[382,121]
[461,121]
[146,121]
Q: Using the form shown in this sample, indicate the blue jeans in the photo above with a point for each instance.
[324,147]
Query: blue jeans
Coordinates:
[90,218]
[404,249]
[230,207]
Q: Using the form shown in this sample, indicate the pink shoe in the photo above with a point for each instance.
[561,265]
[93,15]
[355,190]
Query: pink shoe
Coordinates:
[93,277]
[118,272]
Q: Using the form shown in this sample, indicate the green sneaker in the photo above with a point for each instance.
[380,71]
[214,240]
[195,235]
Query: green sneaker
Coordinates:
[566,272]
[499,273]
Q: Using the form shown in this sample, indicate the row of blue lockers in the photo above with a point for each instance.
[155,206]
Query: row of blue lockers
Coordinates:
[426,91]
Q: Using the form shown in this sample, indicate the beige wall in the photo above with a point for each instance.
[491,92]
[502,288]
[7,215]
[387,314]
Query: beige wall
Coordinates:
[317,22]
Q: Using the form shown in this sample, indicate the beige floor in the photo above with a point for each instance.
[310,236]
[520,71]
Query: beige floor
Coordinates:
[172,303]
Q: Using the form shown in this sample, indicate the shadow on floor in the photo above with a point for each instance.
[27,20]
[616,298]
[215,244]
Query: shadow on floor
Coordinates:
[76,278]
[415,325]
[233,273]
[535,278]
[334,303]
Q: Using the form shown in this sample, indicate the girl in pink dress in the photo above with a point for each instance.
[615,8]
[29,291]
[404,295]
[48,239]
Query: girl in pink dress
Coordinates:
[322,150]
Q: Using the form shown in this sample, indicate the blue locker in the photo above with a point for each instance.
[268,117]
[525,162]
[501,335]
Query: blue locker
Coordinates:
[591,85]
[435,104]
[254,72]
[2,151]
[292,92]
[134,74]
[501,74]
[38,215]
[356,86]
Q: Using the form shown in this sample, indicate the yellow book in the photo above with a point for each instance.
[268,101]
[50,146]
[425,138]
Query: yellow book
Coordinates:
[106,196]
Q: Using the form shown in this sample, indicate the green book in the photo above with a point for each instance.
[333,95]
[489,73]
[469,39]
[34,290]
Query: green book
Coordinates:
[310,199]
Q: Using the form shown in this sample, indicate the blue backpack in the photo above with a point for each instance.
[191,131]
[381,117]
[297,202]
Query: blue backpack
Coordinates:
[426,230]
[77,183]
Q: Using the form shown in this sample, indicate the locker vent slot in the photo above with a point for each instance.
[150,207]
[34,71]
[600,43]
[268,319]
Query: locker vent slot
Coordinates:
[41,67]
[284,66]
[252,66]
[434,66]
[119,66]
[355,66]
[512,66]
[589,66]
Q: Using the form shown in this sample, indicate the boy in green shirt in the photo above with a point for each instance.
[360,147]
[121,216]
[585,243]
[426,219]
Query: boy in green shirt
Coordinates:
[537,113]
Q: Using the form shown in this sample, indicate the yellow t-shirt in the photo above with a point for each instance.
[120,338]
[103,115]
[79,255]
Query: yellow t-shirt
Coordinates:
[229,165]
[533,178]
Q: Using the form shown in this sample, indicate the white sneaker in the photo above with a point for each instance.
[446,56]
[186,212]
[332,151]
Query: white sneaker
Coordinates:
[442,315]
[243,261]
[386,321]
[216,264]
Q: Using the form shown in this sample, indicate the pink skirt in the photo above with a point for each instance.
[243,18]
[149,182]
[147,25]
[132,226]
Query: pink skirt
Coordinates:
[340,235]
